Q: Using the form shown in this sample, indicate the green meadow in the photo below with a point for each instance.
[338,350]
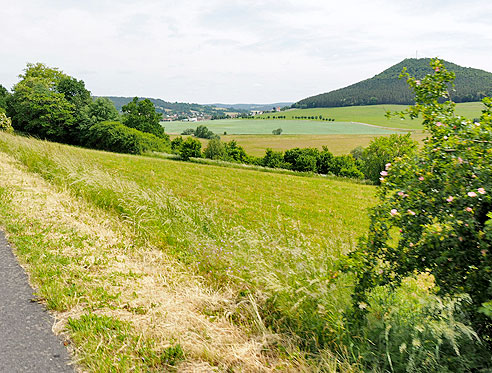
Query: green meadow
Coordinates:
[273,240]
[265,127]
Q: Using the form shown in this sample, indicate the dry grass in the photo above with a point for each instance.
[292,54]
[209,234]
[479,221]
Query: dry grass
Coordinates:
[171,301]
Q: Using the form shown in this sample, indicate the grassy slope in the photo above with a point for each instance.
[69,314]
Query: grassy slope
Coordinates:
[273,240]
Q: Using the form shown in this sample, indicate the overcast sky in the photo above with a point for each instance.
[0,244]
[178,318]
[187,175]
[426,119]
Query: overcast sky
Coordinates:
[236,51]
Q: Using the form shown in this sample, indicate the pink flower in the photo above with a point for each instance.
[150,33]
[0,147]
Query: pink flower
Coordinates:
[411,212]
[383,173]
[481,191]
[387,166]
[460,160]
[400,193]
[472,194]
[438,124]
[417,82]
[421,178]
[410,244]
[450,199]
[436,69]
[394,212]
[469,209]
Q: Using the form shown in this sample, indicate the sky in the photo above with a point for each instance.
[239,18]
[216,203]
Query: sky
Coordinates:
[231,51]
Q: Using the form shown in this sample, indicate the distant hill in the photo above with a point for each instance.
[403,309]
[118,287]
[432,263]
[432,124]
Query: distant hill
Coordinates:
[249,107]
[176,109]
[386,88]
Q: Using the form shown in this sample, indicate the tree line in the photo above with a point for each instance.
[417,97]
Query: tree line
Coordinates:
[49,104]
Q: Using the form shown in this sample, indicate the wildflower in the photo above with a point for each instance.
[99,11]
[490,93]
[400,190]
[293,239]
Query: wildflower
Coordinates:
[460,160]
[438,124]
[421,178]
[417,82]
[394,212]
[469,209]
[387,166]
[362,305]
[401,194]
[383,173]
[450,199]
[472,194]
[411,212]
[436,69]
[381,179]
[484,252]
[481,190]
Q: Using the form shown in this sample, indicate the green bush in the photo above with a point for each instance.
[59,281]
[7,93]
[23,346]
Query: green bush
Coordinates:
[116,137]
[434,210]
[176,144]
[203,132]
[215,150]
[236,153]
[190,148]
[383,150]
[274,159]
[303,160]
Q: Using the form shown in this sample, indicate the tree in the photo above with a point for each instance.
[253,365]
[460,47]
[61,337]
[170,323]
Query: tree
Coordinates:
[4,94]
[278,131]
[49,104]
[440,203]
[102,109]
[215,150]
[142,116]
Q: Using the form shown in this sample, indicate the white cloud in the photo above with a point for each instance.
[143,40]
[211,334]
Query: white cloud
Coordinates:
[236,51]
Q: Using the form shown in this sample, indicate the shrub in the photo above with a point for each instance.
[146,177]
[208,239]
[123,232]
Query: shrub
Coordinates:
[303,160]
[235,152]
[278,131]
[176,144]
[215,150]
[190,148]
[434,210]
[274,159]
[188,131]
[116,137]
[383,150]
[203,132]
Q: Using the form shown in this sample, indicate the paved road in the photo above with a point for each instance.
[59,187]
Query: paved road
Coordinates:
[27,343]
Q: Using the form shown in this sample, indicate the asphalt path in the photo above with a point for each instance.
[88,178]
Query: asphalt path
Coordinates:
[27,343]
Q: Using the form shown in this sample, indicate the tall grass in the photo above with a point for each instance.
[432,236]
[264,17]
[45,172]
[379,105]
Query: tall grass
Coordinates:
[275,238]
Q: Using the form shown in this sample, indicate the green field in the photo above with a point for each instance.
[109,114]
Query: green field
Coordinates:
[348,121]
[375,114]
[265,127]
[262,248]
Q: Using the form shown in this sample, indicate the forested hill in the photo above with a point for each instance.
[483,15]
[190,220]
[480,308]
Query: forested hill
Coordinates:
[178,109]
[386,88]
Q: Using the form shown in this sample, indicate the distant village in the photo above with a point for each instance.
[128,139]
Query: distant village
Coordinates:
[198,116]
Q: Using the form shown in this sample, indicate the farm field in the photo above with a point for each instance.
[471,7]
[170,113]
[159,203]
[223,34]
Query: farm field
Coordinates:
[337,144]
[374,114]
[204,265]
[265,127]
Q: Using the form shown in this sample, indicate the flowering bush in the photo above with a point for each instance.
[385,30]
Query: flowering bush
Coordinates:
[434,212]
